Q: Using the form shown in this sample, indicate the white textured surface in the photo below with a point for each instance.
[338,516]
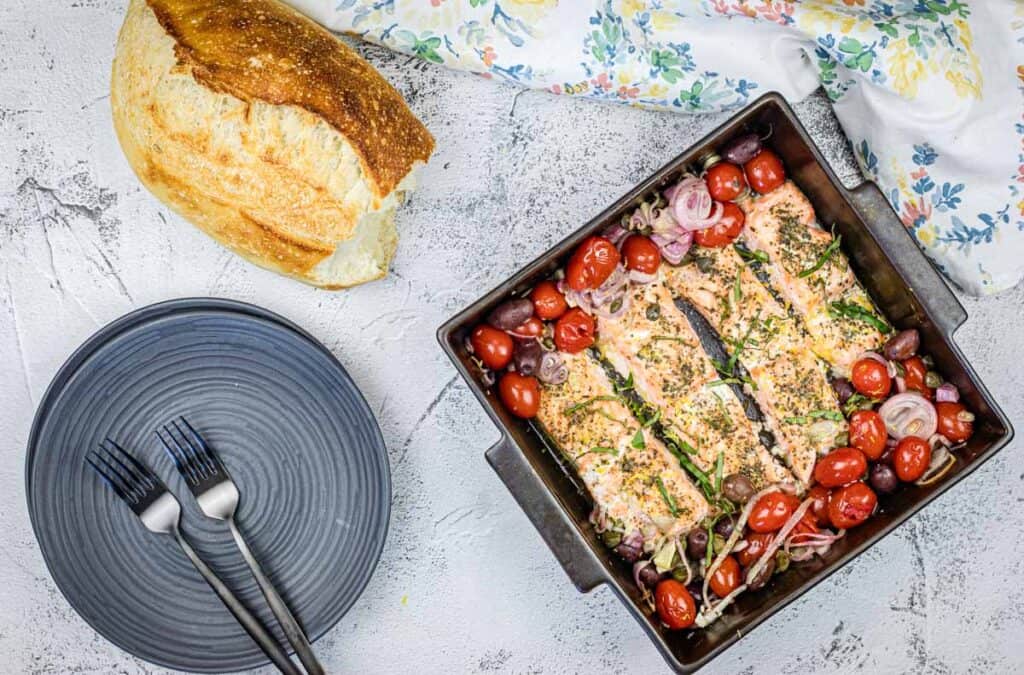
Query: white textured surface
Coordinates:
[466,585]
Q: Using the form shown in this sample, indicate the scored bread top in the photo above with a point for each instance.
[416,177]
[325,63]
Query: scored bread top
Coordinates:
[264,50]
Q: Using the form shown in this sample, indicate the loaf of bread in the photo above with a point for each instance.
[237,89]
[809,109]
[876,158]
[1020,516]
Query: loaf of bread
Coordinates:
[268,133]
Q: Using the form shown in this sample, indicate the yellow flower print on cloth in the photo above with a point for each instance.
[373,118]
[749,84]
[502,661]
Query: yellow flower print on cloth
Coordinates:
[930,92]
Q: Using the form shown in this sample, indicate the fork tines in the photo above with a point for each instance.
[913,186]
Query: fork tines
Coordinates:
[131,480]
[189,452]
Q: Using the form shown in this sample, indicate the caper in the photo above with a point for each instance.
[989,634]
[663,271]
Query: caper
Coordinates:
[932,379]
[680,573]
[611,538]
[704,264]
[781,561]
[653,312]
[718,543]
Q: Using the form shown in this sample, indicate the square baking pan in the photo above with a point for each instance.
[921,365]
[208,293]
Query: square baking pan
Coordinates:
[906,288]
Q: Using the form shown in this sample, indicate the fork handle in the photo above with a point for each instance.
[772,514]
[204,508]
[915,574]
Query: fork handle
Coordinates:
[291,627]
[249,622]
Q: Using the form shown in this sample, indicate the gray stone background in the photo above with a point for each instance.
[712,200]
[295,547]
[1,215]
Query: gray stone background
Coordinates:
[465,583]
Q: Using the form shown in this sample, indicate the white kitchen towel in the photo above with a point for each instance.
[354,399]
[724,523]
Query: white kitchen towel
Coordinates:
[929,92]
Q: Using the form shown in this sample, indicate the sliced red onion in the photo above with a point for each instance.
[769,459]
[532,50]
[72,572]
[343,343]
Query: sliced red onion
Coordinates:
[552,369]
[909,414]
[756,568]
[638,567]
[901,384]
[942,461]
[642,277]
[615,234]
[615,308]
[875,356]
[947,393]
[692,205]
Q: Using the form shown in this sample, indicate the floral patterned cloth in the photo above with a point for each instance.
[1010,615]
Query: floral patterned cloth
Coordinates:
[929,92]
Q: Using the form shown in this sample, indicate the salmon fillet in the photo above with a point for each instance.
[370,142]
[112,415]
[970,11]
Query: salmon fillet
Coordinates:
[653,343]
[786,379]
[782,225]
[632,477]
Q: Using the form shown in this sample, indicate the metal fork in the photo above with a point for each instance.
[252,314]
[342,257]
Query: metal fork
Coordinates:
[218,496]
[160,512]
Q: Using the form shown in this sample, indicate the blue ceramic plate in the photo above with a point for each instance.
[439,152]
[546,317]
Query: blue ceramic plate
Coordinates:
[296,436]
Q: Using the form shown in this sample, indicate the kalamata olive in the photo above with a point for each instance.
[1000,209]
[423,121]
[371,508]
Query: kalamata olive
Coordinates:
[649,576]
[742,149]
[890,448]
[724,526]
[762,578]
[527,357]
[696,590]
[883,478]
[629,552]
[697,543]
[902,345]
[844,390]
[737,488]
[511,314]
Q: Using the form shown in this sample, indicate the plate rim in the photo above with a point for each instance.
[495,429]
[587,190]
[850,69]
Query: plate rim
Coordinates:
[137,317]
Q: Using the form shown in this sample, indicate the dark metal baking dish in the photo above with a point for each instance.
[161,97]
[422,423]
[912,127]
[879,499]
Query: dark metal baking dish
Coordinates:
[904,284]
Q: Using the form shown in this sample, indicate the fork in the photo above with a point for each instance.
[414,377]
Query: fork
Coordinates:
[218,497]
[160,512]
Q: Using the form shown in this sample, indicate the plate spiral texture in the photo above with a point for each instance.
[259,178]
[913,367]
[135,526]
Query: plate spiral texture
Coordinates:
[296,436]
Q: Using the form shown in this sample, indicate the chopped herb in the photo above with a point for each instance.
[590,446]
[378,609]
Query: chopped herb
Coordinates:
[823,258]
[598,450]
[626,385]
[583,404]
[673,509]
[612,418]
[852,310]
[751,256]
[719,472]
[858,402]
[727,380]
[653,420]
[710,548]
[833,415]
[615,306]
[737,292]
[638,440]
[670,338]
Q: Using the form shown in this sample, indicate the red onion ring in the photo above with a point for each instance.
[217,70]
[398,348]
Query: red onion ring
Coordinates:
[909,414]
[692,205]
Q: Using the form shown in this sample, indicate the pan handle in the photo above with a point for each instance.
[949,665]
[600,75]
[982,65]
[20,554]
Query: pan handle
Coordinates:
[942,305]
[546,514]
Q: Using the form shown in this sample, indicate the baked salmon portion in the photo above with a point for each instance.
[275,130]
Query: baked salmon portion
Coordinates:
[786,379]
[636,482]
[653,343]
[811,274]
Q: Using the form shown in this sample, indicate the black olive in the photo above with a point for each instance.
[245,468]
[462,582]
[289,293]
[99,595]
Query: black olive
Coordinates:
[697,543]
[883,478]
[844,390]
[511,314]
[724,527]
[527,357]
[737,488]
[762,578]
[649,576]
[902,345]
[742,149]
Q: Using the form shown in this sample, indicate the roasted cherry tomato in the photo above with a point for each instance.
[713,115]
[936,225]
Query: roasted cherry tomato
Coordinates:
[725,231]
[592,263]
[914,371]
[765,172]
[531,328]
[867,433]
[819,506]
[520,394]
[641,254]
[871,378]
[771,511]
[548,301]
[675,605]
[726,578]
[574,332]
[911,458]
[955,422]
[851,505]
[492,346]
[757,543]
[839,467]
[725,181]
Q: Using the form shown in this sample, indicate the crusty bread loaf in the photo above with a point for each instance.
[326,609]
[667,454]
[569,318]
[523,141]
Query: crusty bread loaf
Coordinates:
[267,132]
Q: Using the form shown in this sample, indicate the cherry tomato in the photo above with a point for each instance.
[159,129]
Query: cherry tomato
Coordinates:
[531,328]
[724,231]
[839,467]
[725,181]
[867,433]
[492,346]
[520,394]
[641,254]
[548,301]
[771,511]
[851,505]
[911,458]
[574,332]
[675,604]
[726,578]
[765,172]
[819,506]
[871,378]
[952,424]
[914,371]
[757,543]
[592,263]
